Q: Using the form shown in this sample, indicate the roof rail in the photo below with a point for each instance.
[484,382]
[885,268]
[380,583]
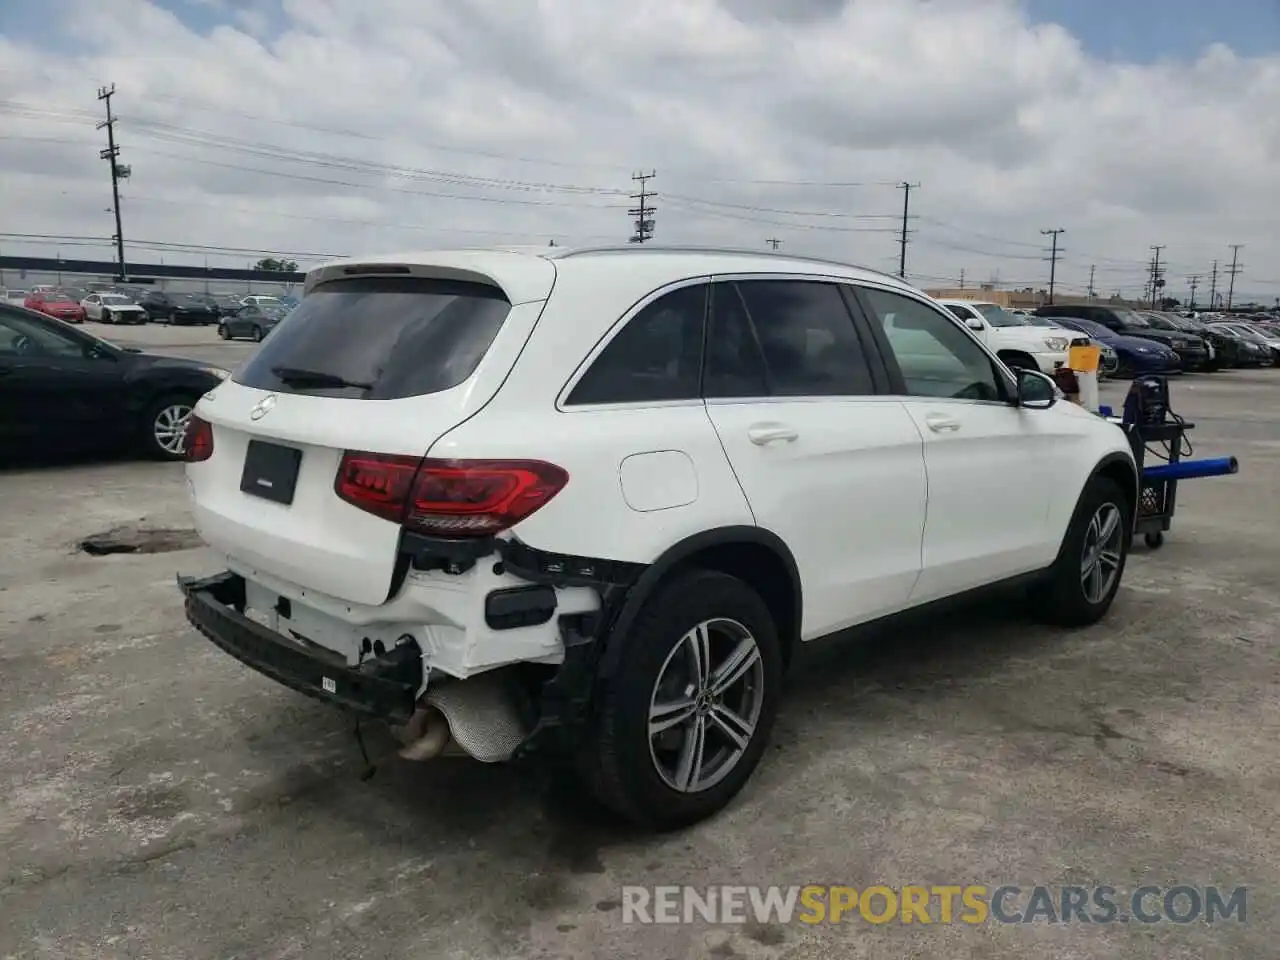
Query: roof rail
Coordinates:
[564,253]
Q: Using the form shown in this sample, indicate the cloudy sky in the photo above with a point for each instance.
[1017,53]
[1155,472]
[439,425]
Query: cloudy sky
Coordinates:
[312,128]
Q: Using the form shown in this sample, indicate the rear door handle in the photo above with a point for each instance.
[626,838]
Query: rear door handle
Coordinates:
[941,423]
[764,433]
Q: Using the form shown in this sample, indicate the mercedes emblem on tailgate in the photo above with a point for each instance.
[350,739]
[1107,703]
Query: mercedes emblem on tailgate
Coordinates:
[263,407]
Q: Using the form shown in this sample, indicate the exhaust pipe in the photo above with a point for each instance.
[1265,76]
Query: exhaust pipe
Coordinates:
[476,718]
[426,735]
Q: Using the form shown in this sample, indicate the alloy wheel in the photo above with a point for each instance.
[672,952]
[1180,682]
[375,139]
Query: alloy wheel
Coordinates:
[1100,558]
[705,705]
[170,427]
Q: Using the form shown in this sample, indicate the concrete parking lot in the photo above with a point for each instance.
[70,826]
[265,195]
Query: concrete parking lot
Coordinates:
[163,801]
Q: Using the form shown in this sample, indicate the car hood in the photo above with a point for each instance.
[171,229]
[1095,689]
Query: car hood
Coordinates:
[129,307]
[1167,336]
[154,361]
[1136,343]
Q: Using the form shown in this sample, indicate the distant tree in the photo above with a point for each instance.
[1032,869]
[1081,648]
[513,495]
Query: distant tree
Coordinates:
[274,265]
[1170,303]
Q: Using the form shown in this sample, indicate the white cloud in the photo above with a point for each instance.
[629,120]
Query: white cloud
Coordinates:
[324,126]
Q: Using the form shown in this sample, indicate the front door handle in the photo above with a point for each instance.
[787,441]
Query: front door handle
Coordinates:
[941,423]
[764,433]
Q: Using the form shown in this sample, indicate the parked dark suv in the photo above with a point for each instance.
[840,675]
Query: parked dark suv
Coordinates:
[1192,350]
[176,308]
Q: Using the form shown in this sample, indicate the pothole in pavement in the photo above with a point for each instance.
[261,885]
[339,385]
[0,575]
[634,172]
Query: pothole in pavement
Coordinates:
[136,539]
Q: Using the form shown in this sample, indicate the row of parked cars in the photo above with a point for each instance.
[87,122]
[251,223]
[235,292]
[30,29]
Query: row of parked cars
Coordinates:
[1132,342]
[251,317]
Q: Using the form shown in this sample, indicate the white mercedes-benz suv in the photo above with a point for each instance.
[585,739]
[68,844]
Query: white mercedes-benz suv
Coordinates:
[596,500]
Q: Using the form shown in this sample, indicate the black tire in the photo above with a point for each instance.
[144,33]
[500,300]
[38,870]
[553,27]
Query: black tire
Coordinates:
[1154,540]
[105,317]
[224,331]
[1018,361]
[257,334]
[617,761]
[1062,600]
[148,433]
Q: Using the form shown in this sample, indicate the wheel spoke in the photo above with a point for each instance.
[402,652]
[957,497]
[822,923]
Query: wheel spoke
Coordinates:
[736,728]
[664,716]
[1110,558]
[735,667]
[1109,524]
[1087,564]
[1095,583]
[698,642]
[689,767]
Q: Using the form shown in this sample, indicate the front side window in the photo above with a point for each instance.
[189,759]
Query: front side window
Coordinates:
[937,358]
[807,338]
[998,316]
[963,311]
[27,337]
[655,357]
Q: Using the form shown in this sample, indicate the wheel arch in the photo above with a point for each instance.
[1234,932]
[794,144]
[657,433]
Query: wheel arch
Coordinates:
[1119,468]
[755,555]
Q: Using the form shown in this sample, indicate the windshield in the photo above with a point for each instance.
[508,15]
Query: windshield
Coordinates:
[997,315]
[1130,319]
[115,298]
[1248,333]
[1033,320]
[1095,330]
[1158,322]
[57,298]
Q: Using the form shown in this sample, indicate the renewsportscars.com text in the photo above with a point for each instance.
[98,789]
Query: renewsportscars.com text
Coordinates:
[943,904]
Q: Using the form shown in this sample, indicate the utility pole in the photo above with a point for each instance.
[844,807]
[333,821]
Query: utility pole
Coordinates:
[1053,258]
[1156,282]
[1236,267]
[643,212]
[773,242]
[118,172]
[1092,292]
[962,278]
[906,207]
[1193,281]
[1213,287]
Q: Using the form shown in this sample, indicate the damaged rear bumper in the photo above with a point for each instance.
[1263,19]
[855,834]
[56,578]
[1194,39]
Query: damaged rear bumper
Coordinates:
[383,687]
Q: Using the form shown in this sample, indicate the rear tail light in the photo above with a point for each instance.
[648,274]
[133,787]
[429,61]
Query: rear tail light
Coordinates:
[198,441]
[447,498]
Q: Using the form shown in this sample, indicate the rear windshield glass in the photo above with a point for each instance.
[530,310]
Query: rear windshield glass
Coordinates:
[379,338]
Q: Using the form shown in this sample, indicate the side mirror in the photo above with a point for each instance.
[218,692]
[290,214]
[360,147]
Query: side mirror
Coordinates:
[1035,390]
[973,323]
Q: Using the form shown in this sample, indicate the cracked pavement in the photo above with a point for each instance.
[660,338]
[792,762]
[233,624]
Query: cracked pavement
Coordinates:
[163,801]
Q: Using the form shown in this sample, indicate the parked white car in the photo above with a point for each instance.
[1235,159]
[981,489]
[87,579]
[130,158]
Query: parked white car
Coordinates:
[113,308]
[1013,340]
[261,300]
[598,500]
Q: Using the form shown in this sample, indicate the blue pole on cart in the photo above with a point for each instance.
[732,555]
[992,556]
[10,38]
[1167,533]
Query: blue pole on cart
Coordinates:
[1192,469]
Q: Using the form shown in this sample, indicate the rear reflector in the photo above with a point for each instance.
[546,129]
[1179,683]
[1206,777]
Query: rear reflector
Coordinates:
[447,498]
[198,440]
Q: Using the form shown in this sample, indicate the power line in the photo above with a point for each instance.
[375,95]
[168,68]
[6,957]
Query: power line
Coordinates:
[1053,258]
[643,213]
[1235,268]
[111,154]
[906,207]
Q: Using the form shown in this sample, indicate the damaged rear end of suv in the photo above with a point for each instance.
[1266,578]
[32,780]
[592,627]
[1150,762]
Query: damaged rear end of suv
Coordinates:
[361,570]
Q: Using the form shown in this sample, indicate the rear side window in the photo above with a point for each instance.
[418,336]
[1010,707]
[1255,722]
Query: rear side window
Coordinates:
[735,366]
[657,356]
[807,338]
[379,338]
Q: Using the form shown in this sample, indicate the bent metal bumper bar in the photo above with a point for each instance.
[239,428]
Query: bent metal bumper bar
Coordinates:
[383,687]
